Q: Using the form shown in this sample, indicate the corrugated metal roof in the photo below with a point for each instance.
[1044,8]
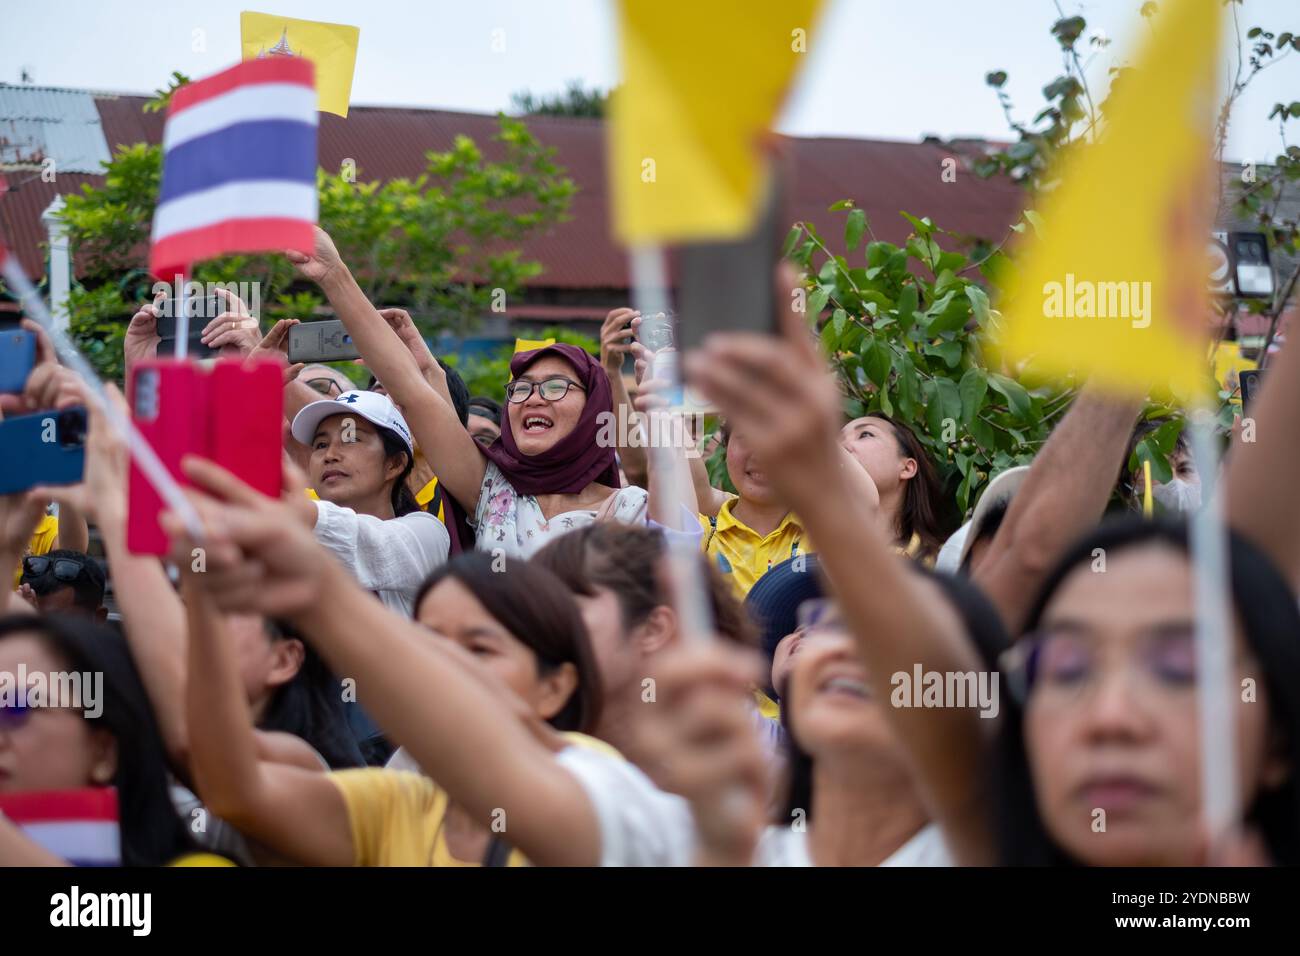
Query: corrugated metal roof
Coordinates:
[581,254]
[40,123]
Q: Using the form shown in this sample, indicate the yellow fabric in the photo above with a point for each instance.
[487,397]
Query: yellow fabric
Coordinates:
[766,705]
[742,554]
[422,498]
[425,495]
[200,859]
[397,816]
[41,542]
[332,48]
[1229,363]
[1128,225]
[531,345]
[702,85]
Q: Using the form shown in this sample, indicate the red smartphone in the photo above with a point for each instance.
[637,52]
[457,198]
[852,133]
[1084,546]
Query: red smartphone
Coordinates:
[168,404]
[246,401]
[230,414]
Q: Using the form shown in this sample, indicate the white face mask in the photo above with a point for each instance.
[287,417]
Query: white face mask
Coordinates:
[1178,495]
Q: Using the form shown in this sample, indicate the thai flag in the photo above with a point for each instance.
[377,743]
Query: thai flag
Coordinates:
[79,826]
[239,165]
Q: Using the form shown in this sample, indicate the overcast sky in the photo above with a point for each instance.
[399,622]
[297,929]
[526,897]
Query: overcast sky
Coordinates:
[877,68]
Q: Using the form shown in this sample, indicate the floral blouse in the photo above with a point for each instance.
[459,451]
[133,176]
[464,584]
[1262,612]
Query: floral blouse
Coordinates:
[514,523]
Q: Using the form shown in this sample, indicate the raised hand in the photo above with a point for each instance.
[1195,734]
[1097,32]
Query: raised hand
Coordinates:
[322,263]
[141,340]
[616,337]
[234,332]
[275,345]
[400,321]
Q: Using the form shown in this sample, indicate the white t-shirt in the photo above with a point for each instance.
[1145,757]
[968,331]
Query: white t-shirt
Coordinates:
[389,557]
[640,825]
[785,846]
[513,522]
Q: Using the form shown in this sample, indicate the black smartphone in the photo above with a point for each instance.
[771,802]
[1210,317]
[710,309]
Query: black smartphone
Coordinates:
[728,286]
[201,312]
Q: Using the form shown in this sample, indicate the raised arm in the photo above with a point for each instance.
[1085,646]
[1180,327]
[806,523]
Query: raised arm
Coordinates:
[457,726]
[616,338]
[1261,473]
[455,456]
[780,393]
[1064,494]
[297,812]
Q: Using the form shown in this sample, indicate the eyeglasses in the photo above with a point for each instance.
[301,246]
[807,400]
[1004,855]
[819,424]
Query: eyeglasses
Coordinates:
[66,570]
[326,386]
[1058,668]
[14,715]
[551,390]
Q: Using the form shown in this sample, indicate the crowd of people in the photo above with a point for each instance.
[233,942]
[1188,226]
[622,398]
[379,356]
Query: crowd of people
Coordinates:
[454,639]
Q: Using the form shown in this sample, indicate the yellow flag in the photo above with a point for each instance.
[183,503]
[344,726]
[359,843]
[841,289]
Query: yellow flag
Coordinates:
[1116,285]
[331,46]
[702,85]
[530,345]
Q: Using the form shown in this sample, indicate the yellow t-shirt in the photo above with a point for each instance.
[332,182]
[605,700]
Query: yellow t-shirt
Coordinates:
[742,554]
[41,542]
[201,859]
[397,816]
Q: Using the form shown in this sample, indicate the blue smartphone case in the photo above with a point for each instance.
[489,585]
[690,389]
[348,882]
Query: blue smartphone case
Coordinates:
[17,356]
[45,448]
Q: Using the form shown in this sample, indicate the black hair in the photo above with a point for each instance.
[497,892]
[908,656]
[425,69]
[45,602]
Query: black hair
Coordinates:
[539,612]
[310,705]
[487,408]
[1265,605]
[403,500]
[459,392]
[988,528]
[152,833]
[982,625]
[87,589]
[626,560]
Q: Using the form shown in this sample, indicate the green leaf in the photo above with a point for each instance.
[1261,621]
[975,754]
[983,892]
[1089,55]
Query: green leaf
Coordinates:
[906,384]
[840,204]
[949,352]
[1034,220]
[854,227]
[875,362]
[817,300]
[983,433]
[1146,450]
[996,79]
[791,238]
[906,307]
[830,338]
[979,304]
[1015,394]
[951,261]
[974,385]
[947,315]
[878,253]
[923,227]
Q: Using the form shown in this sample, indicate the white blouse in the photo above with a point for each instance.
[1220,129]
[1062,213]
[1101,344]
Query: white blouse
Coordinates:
[514,523]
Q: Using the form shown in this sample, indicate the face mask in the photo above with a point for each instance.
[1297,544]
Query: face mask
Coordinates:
[1178,495]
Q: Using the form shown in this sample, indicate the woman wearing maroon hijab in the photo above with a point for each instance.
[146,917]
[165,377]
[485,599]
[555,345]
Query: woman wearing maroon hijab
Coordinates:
[545,475]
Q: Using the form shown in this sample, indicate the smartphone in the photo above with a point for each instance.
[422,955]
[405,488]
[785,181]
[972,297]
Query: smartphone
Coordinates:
[245,417]
[168,402]
[323,341]
[44,448]
[230,414]
[1250,380]
[17,358]
[728,286]
[195,345]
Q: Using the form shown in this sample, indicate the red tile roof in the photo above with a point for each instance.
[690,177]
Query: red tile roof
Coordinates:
[883,177]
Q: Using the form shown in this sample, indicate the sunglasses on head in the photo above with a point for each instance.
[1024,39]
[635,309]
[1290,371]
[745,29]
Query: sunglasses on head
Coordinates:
[324,385]
[66,570]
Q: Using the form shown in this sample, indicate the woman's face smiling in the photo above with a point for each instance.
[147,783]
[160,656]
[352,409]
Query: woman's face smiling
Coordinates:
[1110,726]
[537,425]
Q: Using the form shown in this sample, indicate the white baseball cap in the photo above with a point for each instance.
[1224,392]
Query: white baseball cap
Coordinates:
[1001,489]
[373,407]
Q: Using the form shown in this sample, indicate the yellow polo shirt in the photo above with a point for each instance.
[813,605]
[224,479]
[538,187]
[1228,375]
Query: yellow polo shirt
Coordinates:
[742,554]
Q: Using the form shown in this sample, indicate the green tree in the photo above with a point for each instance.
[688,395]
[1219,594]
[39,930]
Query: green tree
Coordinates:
[444,244]
[576,100]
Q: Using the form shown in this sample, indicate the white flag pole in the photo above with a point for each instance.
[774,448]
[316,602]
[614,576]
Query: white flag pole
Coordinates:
[1216,686]
[650,297]
[141,451]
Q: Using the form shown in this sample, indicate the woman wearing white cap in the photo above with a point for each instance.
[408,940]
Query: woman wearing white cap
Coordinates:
[361,453]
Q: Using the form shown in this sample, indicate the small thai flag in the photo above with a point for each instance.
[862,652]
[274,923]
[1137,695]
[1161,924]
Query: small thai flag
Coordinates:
[79,826]
[239,165]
